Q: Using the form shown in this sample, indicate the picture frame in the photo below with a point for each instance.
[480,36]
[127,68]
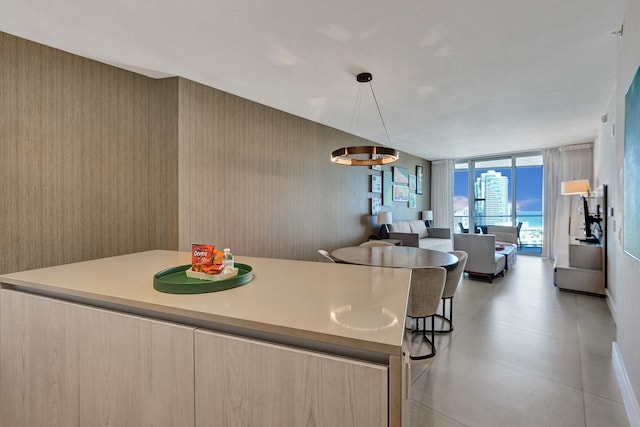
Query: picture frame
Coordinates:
[631,221]
[387,188]
[376,205]
[376,167]
[376,184]
[419,178]
[412,200]
[400,175]
[400,193]
[412,182]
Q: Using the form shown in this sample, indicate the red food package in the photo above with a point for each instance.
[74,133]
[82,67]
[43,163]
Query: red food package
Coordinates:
[202,256]
[213,269]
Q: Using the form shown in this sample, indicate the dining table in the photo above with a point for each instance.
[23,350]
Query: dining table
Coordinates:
[395,256]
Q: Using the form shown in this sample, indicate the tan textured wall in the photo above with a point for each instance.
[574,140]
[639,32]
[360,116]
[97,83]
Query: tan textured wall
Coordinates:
[88,158]
[98,161]
[260,181]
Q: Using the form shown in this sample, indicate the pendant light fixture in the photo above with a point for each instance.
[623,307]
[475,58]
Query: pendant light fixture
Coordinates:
[363,155]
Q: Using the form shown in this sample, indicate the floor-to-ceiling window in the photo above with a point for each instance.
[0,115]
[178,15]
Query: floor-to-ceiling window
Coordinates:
[504,190]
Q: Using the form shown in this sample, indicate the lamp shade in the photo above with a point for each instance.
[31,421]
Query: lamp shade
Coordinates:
[577,186]
[384,218]
[427,215]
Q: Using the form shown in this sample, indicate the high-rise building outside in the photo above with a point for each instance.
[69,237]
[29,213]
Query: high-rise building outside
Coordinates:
[520,201]
[493,208]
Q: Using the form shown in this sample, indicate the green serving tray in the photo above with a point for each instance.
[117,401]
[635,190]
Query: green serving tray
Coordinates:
[174,280]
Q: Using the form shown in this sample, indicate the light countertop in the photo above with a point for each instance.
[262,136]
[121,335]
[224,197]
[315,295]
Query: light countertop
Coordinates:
[348,305]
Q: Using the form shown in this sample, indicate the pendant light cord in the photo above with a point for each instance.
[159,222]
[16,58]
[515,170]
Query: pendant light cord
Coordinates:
[365,155]
[380,113]
[356,109]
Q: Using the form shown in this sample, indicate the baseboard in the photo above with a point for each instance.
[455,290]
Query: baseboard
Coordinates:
[628,395]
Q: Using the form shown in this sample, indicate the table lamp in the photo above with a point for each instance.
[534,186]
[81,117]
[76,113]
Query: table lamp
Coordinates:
[384,219]
[582,188]
[427,217]
[577,186]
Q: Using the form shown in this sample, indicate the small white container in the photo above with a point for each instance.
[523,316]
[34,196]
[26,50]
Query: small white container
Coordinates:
[227,259]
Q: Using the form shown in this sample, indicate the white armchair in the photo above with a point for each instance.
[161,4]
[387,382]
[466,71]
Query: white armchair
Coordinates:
[483,259]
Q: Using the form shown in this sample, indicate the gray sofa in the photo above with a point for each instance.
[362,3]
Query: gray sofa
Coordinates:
[415,233]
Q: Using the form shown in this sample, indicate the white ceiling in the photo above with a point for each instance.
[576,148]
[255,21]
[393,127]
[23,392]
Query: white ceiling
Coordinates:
[453,78]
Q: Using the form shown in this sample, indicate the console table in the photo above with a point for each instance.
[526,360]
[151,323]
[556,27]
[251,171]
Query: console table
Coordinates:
[582,267]
[581,270]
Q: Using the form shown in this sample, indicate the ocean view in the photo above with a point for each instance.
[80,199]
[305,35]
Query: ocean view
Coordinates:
[532,225]
[533,218]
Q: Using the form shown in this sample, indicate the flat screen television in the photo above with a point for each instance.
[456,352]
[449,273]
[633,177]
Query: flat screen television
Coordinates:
[588,221]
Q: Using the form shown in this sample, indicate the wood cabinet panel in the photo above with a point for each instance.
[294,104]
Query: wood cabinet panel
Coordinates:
[65,364]
[240,382]
[38,367]
[134,371]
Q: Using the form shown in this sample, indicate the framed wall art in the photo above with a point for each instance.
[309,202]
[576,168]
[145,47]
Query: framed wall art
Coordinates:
[376,205]
[400,175]
[376,184]
[387,188]
[631,227]
[412,182]
[376,167]
[412,200]
[419,177]
[400,193]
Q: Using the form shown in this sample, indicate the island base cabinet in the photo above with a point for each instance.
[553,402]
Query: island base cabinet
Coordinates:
[72,365]
[242,382]
[39,354]
[65,364]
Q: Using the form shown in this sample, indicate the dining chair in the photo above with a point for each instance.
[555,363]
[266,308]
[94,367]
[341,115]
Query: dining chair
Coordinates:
[427,285]
[376,243]
[450,285]
[326,256]
[518,228]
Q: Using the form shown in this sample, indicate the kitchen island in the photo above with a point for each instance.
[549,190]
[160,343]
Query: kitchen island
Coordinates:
[303,343]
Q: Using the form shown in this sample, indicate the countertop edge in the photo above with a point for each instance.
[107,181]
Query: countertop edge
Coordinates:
[197,319]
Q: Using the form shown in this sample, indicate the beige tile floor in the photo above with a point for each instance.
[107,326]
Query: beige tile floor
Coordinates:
[522,353]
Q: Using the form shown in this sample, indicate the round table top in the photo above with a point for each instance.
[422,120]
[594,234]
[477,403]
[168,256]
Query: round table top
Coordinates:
[395,256]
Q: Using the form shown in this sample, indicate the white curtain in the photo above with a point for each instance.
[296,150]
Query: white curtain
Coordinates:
[551,159]
[442,193]
[562,164]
